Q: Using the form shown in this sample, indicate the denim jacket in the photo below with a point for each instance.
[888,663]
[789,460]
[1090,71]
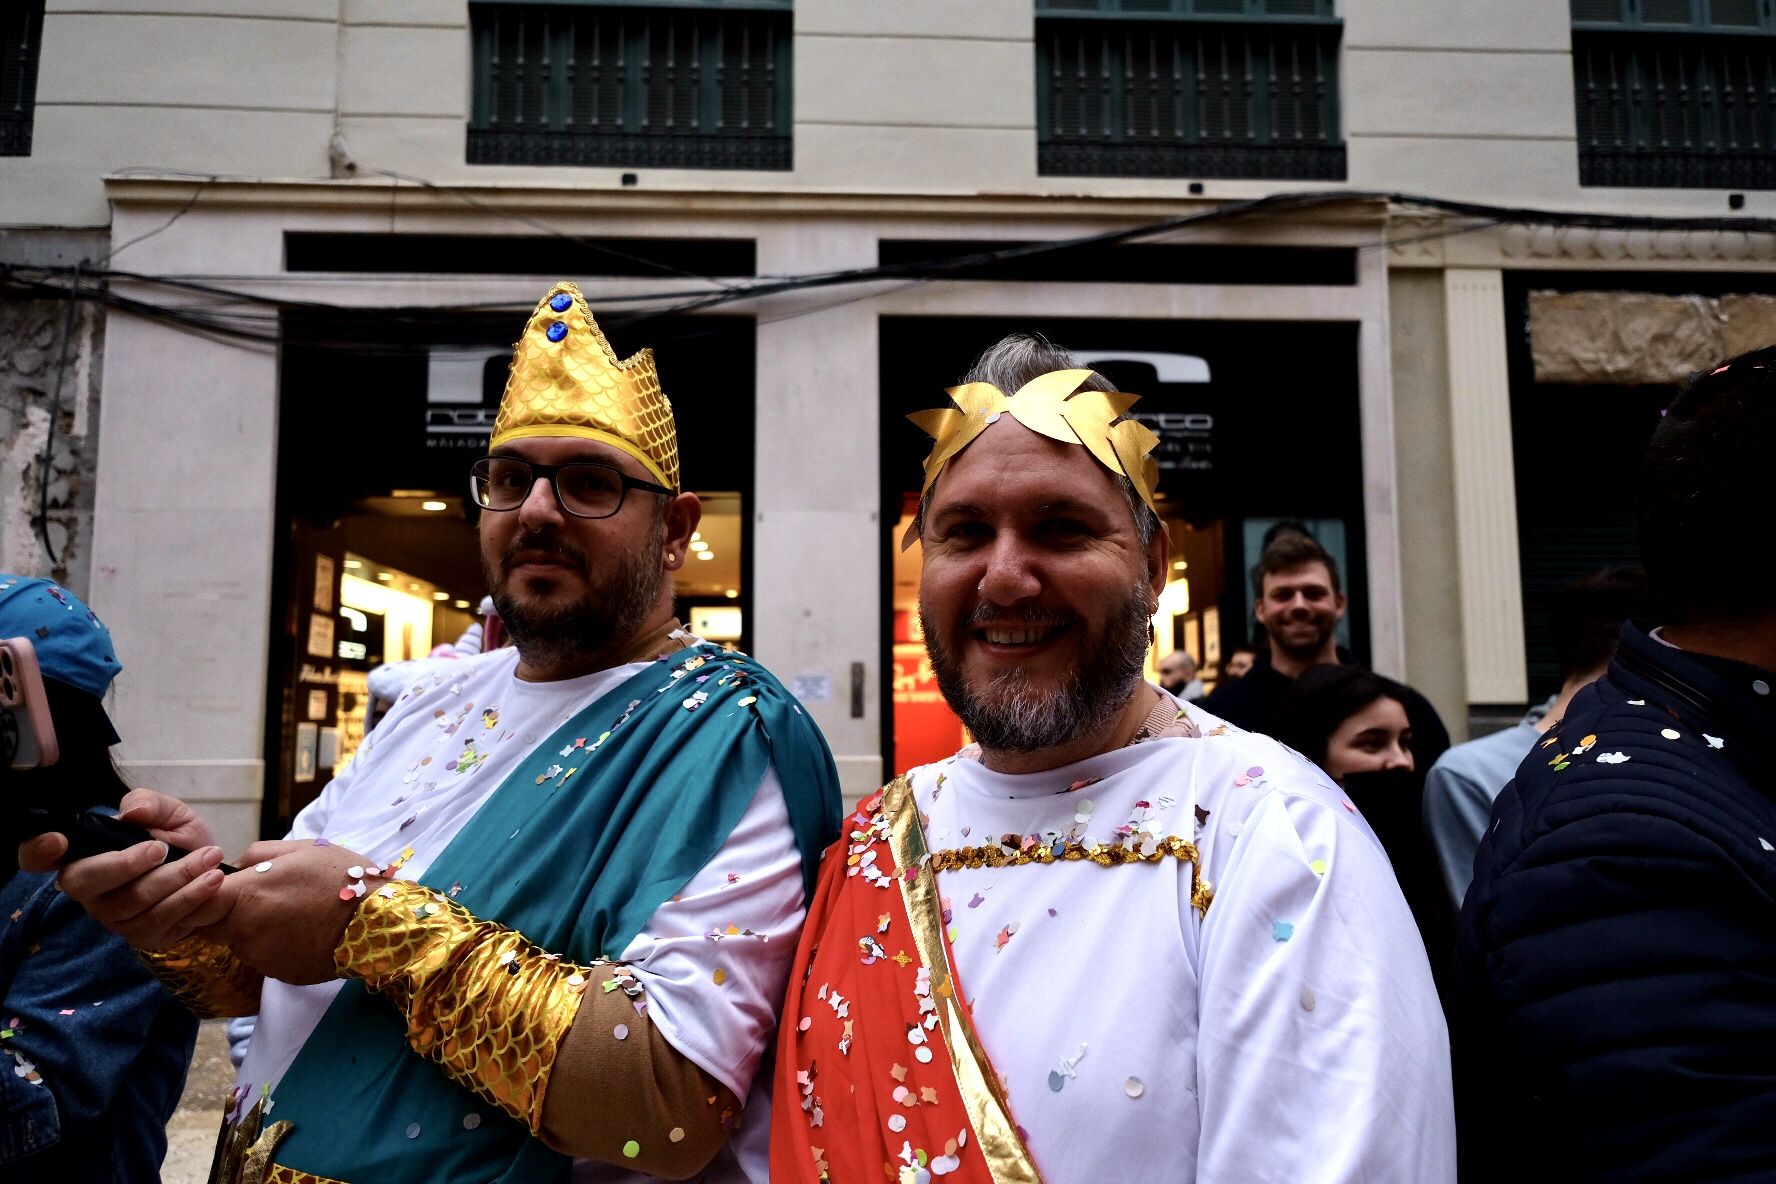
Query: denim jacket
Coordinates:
[93,1051]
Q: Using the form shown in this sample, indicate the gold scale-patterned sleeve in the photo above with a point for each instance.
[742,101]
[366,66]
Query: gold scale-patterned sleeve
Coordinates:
[479,999]
[206,977]
[508,1021]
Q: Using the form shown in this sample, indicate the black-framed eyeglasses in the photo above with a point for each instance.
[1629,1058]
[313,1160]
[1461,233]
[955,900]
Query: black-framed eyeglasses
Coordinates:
[584,489]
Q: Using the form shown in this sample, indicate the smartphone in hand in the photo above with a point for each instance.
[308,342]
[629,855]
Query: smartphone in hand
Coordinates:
[28,741]
[27,734]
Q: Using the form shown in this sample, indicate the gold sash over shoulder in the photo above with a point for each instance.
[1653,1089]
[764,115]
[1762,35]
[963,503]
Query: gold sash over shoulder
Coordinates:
[982,1094]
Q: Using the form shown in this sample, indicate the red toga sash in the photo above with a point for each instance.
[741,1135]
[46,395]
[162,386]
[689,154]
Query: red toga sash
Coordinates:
[878,1065]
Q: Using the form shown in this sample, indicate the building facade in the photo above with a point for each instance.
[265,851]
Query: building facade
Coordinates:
[304,230]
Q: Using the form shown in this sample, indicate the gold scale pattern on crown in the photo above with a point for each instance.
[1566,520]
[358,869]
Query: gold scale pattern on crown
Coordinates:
[565,380]
[1054,405]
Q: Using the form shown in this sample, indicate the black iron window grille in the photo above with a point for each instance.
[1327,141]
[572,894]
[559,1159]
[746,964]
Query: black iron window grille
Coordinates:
[1188,88]
[21,38]
[1675,93]
[641,86]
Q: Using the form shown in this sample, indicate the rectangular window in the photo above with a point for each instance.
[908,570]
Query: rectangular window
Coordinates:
[1188,88]
[1675,93]
[21,37]
[684,85]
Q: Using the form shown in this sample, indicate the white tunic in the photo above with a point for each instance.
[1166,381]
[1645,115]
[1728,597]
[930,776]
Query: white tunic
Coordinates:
[1290,1034]
[421,775]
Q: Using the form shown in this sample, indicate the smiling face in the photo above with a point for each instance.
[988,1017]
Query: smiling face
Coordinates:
[1036,592]
[1299,608]
[574,592]
[1374,739]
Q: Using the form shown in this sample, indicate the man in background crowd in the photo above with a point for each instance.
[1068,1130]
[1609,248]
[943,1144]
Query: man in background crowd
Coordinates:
[1616,1019]
[1299,603]
[1238,663]
[1177,674]
[1587,618]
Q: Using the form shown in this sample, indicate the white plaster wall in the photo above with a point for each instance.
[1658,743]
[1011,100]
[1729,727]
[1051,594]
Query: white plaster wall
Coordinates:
[1444,97]
[817,547]
[182,563]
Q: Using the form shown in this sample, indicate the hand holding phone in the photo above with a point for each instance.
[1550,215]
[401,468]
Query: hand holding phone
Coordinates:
[28,741]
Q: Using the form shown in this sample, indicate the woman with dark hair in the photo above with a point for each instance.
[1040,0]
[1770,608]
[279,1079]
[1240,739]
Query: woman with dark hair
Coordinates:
[93,1051]
[1353,724]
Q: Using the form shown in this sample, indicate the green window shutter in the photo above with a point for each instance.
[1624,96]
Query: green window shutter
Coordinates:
[1188,99]
[1655,111]
[21,40]
[695,85]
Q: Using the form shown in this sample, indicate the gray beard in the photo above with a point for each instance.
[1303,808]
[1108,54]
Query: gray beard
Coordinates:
[607,618]
[1010,715]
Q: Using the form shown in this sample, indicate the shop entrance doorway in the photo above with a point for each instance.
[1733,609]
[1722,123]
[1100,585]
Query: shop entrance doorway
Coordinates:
[1258,423]
[378,561]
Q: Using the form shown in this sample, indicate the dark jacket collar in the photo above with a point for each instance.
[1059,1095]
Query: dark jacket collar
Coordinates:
[1737,698]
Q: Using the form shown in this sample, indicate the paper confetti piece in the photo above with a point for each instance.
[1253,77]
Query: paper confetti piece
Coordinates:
[1714,741]
[676,1134]
[1317,867]
[471,1121]
[1671,734]
[1612,758]
[413,1130]
[631,1149]
[1134,1087]
[720,976]
[1282,930]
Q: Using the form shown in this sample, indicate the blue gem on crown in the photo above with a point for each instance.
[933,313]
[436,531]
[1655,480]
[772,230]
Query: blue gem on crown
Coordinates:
[556,331]
[561,302]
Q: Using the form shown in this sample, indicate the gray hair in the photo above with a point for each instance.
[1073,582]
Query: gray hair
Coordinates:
[1013,361]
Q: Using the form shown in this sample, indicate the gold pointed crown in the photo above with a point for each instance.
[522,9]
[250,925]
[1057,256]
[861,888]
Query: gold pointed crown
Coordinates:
[566,381]
[1054,405]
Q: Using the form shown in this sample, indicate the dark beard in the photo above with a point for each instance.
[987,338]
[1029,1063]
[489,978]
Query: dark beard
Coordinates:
[1008,715]
[606,618]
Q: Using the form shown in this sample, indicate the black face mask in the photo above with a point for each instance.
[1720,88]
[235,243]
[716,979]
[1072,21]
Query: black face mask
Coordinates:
[1391,801]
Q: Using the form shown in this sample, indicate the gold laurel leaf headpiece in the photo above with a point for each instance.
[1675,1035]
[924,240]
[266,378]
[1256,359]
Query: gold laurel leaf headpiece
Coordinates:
[566,380]
[1054,405]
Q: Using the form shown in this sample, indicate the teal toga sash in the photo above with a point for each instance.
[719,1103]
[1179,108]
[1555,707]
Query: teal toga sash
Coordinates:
[577,865]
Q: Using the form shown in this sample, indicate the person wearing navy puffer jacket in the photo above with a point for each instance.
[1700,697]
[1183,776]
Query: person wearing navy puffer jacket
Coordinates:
[1616,966]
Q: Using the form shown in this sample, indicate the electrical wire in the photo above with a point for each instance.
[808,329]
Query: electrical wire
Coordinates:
[227,316]
[55,413]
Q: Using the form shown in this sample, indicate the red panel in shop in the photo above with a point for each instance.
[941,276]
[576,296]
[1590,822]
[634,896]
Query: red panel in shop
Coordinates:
[925,729]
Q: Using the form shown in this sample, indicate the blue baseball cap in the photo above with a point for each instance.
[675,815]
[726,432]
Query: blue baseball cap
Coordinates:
[73,646]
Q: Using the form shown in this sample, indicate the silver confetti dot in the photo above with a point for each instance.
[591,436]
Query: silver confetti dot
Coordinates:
[354,872]
[621,1031]
[1760,686]
[897,1123]
[922,1054]
[1134,1087]
[413,1130]
[470,1121]
[1307,999]
[262,868]
[1670,733]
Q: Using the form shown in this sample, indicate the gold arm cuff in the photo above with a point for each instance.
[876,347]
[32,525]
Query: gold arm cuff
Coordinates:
[206,977]
[279,1174]
[479,999]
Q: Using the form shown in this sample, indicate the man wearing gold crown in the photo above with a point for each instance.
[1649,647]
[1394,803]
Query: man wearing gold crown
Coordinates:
[540,928]
[1114,939]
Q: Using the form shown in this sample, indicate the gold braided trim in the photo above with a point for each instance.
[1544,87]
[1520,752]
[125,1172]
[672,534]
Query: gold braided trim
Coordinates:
[206,977]
[1102,854]
[279,1174]
[1074,851]
[479,999]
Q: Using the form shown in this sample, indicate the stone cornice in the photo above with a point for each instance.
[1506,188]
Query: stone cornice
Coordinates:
[1419,239]
[142,191]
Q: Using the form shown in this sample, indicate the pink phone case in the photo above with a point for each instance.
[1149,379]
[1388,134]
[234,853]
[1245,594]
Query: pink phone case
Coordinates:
[24,709]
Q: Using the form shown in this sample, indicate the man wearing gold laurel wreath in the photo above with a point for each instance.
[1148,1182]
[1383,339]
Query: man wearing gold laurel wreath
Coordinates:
[1116,939]
[539,929]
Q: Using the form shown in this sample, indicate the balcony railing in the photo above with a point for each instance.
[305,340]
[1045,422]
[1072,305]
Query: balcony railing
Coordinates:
[1188,99]
[1660,111]
[661,87]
